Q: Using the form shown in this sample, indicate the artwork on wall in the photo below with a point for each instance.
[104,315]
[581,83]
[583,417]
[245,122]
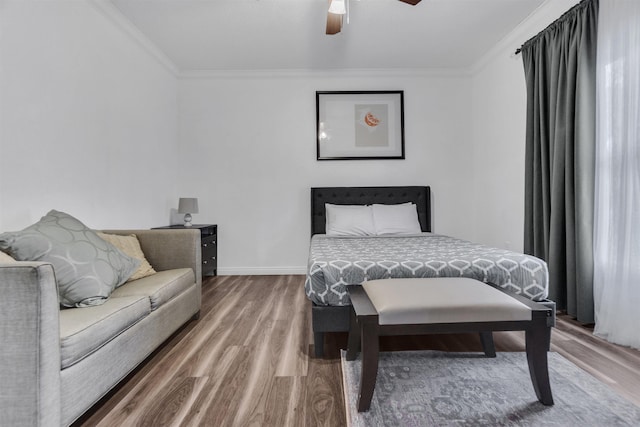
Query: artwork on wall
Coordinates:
[360,125]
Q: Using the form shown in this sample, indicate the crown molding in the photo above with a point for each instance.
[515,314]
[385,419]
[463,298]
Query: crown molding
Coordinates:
[113,14]
[325,73]
[531,25]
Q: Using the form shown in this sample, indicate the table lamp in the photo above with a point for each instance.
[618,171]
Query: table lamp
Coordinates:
[187,206]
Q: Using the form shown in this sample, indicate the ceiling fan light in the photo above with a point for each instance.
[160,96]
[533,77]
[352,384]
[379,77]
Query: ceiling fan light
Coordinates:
[337,7]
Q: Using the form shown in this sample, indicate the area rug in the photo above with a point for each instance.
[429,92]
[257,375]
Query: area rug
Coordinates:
[432,388]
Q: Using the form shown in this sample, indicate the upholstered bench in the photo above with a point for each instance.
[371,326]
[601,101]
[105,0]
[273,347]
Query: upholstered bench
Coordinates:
[444,305]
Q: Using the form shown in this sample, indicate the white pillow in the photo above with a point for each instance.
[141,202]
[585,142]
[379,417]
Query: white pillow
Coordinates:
[349,220]
[396,219]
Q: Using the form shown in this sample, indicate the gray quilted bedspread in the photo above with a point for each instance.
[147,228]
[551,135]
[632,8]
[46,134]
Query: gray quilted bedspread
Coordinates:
[337,261]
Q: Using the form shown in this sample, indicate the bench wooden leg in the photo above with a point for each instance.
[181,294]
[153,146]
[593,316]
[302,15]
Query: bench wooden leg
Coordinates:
[353,344]
[370,350]
[537,338]
[486,338]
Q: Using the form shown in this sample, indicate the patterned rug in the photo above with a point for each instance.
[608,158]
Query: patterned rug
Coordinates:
[431,388]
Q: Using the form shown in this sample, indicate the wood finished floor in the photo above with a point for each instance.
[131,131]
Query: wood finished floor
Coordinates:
[248,362]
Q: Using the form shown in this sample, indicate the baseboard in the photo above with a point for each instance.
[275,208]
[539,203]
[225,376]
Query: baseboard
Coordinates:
[260,271]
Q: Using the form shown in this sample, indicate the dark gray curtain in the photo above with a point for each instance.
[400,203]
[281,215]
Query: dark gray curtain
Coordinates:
[560,72]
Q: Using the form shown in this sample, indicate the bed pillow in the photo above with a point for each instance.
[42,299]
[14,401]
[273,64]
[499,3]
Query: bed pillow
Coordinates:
[87,268]
[6,258]
[130,245]
[349,220]
[396,219]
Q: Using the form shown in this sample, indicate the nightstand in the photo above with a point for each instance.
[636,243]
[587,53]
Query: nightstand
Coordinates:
[209,240]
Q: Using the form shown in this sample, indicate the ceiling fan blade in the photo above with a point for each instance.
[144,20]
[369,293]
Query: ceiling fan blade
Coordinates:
[411,2]
[334,23]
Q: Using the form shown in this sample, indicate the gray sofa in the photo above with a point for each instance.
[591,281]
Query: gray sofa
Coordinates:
[55,364]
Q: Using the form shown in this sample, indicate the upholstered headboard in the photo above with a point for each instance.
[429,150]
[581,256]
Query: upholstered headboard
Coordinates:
[365,196]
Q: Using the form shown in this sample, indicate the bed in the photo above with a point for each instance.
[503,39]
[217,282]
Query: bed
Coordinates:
[335,262]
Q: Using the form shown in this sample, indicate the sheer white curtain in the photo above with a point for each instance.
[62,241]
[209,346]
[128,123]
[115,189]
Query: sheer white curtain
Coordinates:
[617,198]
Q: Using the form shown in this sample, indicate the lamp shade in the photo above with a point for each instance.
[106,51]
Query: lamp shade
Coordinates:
[188,205]
[337,7]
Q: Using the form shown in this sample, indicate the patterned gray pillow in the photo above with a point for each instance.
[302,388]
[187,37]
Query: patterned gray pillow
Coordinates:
[87,268]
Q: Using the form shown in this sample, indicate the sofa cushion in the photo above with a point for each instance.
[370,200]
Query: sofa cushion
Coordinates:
[131,246]
[87,268]
[85,330]
[159,288]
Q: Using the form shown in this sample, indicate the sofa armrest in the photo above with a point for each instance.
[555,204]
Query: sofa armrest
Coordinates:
[30,345]
[169,249]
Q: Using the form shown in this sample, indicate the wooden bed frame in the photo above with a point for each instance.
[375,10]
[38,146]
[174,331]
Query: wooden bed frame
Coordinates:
[336,318]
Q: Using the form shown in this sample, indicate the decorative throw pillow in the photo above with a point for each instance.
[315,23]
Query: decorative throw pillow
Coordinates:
[6,259]
[87,268]
[396,219]
[349,220]
[130,245]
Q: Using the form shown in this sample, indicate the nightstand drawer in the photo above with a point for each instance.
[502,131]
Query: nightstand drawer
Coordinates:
[210,230]
[209,255]
[209,242]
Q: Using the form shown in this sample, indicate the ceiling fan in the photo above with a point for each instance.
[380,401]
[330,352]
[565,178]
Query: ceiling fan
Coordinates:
[337,10]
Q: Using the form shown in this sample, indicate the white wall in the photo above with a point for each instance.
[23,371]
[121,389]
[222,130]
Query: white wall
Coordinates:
[88,119]
[498,111]
[248,143]
[93,123]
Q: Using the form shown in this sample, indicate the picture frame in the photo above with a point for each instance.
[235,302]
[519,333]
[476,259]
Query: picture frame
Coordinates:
[360,125]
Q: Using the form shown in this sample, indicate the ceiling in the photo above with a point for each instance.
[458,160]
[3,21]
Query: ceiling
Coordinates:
[290,34]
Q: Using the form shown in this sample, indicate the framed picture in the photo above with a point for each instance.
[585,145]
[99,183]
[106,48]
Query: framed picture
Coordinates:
[360,125]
